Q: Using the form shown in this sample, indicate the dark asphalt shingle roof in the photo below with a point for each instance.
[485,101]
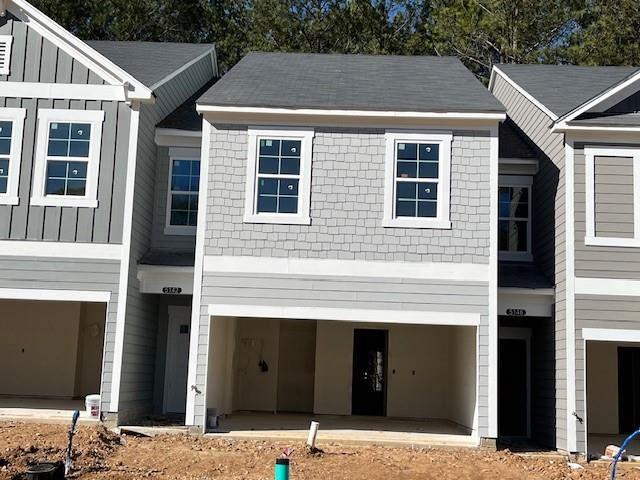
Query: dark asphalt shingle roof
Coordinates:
[149,62]
[168,258]
[561,88]
[185,116]
[513,143]
[521,275]
[352,82]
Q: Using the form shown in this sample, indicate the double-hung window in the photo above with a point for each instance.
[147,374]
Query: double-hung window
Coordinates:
[67,158]
[182,199]
[278,176]
[11,129]
[514,217]
[417,180]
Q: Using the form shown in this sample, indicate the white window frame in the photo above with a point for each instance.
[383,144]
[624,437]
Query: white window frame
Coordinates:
[16,116]
[47,116]
[190,154]
[305,136]
[444,140]
[589,155]
[518,181]
[5,68]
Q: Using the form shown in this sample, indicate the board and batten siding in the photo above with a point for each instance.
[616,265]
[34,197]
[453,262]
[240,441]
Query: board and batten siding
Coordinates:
[138,368]
[43,273]
[617,206]
[35,59]
[548,222]
[347,201]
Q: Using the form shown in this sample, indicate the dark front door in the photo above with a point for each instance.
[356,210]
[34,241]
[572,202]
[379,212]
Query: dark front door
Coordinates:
[369,372]
[628,388]
[512,388]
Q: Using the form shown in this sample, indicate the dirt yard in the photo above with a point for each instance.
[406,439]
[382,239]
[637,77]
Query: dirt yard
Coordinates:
[100,454]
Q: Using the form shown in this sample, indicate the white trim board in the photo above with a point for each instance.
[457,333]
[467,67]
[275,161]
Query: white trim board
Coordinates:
[611,335]
[55,295]
[63,91]
[350,113]
[521,91]
[16,116]
[570,313]
[469,272]
[201,228]
[413,317]
[91,251]
[607,286]
[118,351]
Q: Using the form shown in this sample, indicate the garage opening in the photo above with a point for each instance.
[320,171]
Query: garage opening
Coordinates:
[50,356]
[613,394]
[356,375]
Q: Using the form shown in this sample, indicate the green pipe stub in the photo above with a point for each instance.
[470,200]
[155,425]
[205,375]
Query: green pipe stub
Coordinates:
[281,471]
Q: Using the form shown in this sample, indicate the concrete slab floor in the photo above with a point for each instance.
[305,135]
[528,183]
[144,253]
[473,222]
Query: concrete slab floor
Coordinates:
[41,409]
[345,429]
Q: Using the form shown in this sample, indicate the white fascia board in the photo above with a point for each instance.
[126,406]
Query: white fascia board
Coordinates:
[598,99]
[611,335]
[79,50]
[563,127]
[524,93]
[91,251]
[607,286]
[413,317]
[157,279]
[63,91]
[210,52]
[55,295]
[531,305]
[463,272]
[350,113]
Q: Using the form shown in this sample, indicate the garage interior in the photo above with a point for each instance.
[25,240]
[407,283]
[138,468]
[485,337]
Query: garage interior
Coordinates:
[52,357]
[300,369]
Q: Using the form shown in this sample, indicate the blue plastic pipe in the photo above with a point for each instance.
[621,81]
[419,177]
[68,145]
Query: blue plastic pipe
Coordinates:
[282,469]
[623,447]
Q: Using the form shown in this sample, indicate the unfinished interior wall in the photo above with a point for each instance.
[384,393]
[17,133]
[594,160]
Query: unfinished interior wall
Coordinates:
[222,347]
[50,349]
[602,387]
[462,398]
[334,365]
[296,366]
[90,349]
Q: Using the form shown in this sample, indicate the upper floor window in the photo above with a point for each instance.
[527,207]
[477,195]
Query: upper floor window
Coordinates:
[11,128]
[417,180]
[278,176]
[182,199]
[612,196]
[67,158]
[514,218]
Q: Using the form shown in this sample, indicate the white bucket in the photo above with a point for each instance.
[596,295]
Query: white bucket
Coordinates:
[92,404]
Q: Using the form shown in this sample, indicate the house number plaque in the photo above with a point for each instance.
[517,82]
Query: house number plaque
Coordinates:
[171,290]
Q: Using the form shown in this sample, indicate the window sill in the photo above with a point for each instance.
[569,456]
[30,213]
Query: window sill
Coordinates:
[514,256]
[282,219]
[52,201]
[9,200]
[176,230]
[612,242]
[407,222]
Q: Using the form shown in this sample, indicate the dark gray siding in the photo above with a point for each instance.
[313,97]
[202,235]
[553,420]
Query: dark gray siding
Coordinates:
[138,368]
[597,261]
[42,273]
[548,222]
[35,59]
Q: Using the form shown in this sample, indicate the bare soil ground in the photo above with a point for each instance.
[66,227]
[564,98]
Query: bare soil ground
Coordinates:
[100,454]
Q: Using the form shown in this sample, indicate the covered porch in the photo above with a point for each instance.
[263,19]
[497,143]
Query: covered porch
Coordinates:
[380,382]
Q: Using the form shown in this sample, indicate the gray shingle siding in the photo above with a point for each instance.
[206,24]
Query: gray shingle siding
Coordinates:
[35,59]
[347,201]
[549,236]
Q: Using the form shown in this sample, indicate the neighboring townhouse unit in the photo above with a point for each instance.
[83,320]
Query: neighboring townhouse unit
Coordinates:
[585,124]
[80,175]
[345,262]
